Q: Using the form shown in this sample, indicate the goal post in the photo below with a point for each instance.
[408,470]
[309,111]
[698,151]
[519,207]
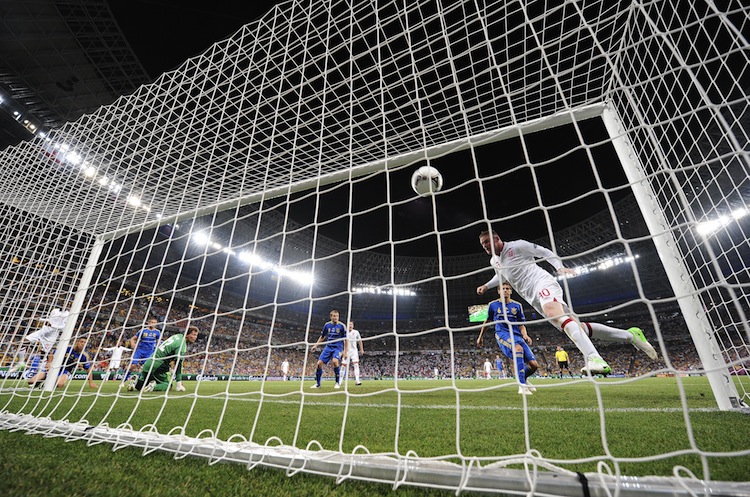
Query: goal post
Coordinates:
[685,291]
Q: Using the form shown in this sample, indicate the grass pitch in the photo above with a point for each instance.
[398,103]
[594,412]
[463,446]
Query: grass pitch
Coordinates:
[644,426]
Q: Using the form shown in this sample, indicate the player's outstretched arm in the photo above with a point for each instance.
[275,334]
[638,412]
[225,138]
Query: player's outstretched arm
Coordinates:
[90,378]
[315,345]
[480,339]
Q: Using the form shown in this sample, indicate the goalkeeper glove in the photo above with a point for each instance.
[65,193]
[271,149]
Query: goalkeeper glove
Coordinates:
[180,388]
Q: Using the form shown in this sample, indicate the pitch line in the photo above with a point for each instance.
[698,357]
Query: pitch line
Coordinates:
[498,408]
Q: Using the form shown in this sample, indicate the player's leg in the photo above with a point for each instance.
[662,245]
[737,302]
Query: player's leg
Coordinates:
[325,356]
[553,309]
[355,365]
[514,352]
[159,381]
[62,379]
[344,368]
[337,368]
[35,350]
[531,364]
[633,336]
[37,379]
[520,366]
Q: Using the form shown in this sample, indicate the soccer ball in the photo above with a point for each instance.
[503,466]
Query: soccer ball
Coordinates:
[426,180]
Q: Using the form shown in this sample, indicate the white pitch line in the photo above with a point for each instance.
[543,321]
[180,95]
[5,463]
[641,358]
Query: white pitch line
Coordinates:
[497,408]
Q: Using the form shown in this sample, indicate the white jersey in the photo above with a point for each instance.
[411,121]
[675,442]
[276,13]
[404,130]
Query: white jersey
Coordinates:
[487,366]
[114,360]
[57,318]
[354,338]
[517,264]
[285,367]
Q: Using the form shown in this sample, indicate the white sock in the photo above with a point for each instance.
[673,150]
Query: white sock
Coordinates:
[608,333]
[580,339]
[356,372]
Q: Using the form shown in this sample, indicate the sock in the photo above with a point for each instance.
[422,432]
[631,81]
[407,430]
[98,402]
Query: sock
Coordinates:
[356,372]
[127,375]
[608,333]
[337,373]
[521,365]
[527,372]
[580,339]
[318,375]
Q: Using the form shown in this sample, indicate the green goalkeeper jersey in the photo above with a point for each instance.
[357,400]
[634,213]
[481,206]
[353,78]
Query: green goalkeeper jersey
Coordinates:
[171,349]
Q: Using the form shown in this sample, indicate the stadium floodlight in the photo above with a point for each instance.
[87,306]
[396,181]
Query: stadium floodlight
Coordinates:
[708,227]
[276,133]
[739,213]
[200,238]
[73,157]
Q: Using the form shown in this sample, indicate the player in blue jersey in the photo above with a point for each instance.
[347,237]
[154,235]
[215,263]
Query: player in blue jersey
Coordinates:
[335,336]
[511,336]
[499,366]
[75,358]
[144,344]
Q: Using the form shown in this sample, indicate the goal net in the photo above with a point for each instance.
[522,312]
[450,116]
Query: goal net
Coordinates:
[266,182]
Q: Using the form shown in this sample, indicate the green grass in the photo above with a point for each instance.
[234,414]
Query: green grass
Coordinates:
[644,429]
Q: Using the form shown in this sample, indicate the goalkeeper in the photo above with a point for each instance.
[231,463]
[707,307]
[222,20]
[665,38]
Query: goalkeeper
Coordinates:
[155,374]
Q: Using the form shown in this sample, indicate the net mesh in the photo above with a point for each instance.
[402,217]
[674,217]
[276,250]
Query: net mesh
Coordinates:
[266,182]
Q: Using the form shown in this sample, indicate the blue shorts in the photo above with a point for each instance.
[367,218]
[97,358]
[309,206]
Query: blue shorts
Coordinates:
[141,356]
[331,353]
[503,340]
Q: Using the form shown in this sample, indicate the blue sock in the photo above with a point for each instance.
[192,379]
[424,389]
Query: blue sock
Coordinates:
[318,375]
[127,375]
[521,365]
[337,373]
[527,372]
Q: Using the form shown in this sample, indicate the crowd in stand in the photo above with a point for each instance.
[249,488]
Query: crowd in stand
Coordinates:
[256,343]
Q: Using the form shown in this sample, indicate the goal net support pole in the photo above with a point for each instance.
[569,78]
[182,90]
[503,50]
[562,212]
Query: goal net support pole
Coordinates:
[684,289]
[75,310]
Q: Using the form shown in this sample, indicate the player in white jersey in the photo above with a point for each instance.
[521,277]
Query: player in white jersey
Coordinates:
[516,262]
[115,359]
[46,336]
[285,369]
[487,369]
[355,349]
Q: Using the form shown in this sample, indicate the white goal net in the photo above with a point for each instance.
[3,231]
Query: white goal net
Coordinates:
[266,182]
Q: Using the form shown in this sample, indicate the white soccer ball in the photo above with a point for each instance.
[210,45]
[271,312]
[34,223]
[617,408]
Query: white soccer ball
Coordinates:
[426,180]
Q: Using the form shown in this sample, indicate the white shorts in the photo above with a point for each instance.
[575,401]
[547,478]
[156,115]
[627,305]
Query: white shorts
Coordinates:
[351,357]
[46,336]
[114,365]
[543,294]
